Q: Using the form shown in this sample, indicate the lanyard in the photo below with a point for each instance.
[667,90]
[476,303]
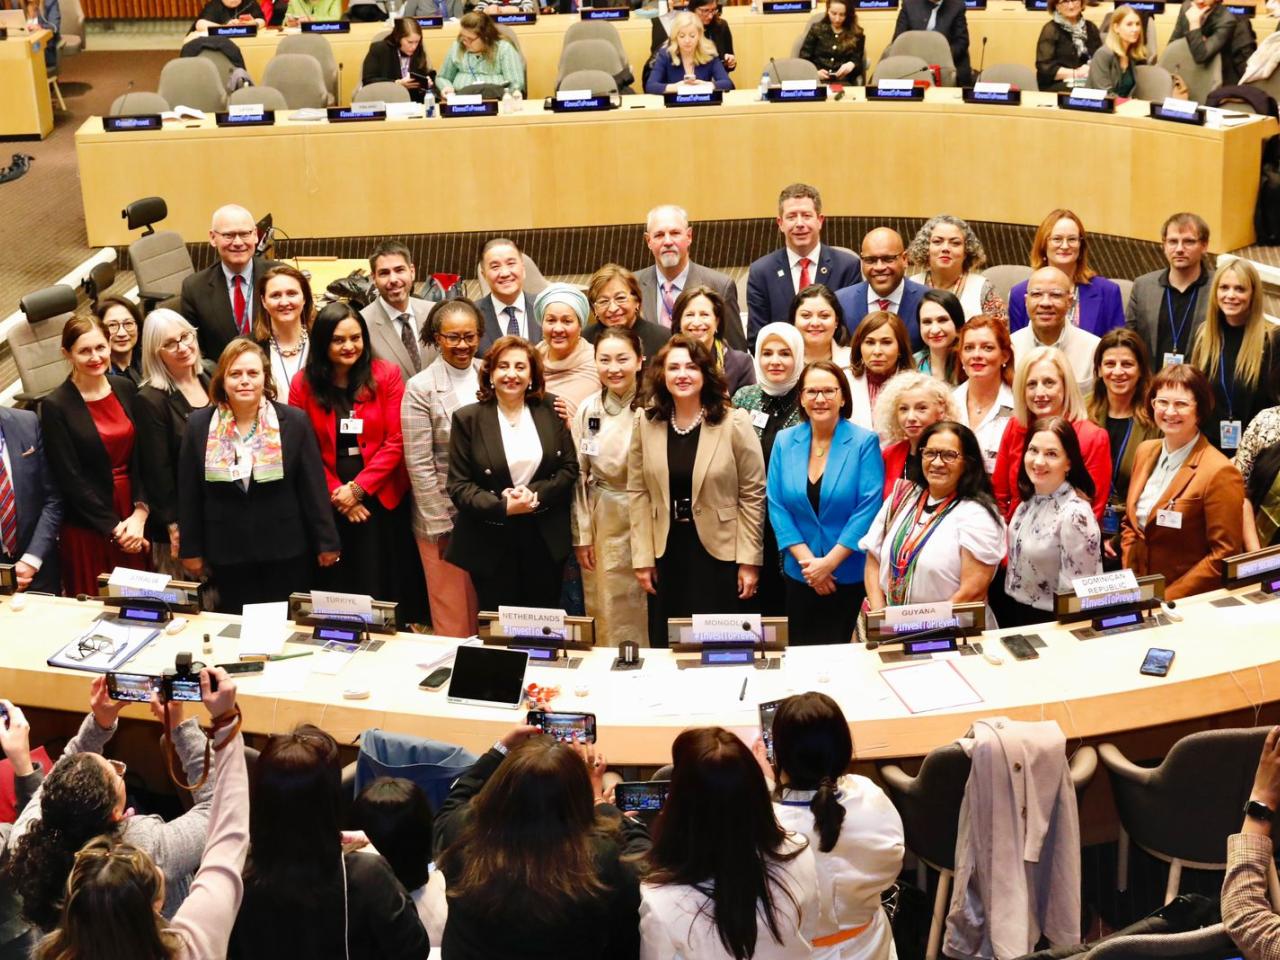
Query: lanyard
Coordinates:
[1222,379]
[908,544]
[1181,325]
[1119,457]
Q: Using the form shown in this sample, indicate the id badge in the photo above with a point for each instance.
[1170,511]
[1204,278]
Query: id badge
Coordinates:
[1169,518]
[1172,359]
[240,471]
[1229,431]
[1111,519]
[353,425]
[759,419]
[590,447]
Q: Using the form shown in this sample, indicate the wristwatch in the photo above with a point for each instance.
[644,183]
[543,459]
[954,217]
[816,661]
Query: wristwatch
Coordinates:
[1256,810]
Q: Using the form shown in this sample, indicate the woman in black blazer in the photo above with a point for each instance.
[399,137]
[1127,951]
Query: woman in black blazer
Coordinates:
[512,471]
[175,382]
[396,57]
[252,504]
[91,448]
[1066,44]
[836,44]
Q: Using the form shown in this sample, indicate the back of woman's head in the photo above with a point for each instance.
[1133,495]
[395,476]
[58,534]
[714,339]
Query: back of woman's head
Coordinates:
[110,911]
[529,842]
[396,817]
[718,832]
[76,805]
[813,748]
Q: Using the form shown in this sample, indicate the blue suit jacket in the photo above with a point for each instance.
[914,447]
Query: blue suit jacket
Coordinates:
[1101,306]
[852,491]
[853,302]
[38,498]
[770,291]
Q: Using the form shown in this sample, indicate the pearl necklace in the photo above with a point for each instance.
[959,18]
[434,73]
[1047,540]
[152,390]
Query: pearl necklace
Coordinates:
[685,431]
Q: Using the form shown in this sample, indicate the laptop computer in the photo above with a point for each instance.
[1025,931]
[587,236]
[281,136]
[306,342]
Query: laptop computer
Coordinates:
[488,677]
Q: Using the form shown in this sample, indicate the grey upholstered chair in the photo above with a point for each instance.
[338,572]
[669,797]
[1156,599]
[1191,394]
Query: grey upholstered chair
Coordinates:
[1151,82]
[36,345]
[384,90]
[1005,276]
[159,259]
[137,101]
[299,78]
[1200,78]
[1018,74]
[269,97]
[597,81]
[193,82]
[315,45]
[930,46]
[902,67]
[791,68]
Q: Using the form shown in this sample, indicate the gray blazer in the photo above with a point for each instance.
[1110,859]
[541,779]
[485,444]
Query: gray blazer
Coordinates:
[699,276]
[387,344]
[1142,312]
[1105,70]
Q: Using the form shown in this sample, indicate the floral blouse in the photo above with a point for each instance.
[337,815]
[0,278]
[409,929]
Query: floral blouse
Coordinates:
[1053,540]
[1262,432]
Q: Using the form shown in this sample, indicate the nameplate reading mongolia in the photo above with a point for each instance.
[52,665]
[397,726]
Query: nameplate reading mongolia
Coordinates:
[1179,111]
[137,121]
[357,112]
[727,628]
[1088,100]
[797,91]
[542,623]
[235,30]
[430,23]
[606,13]
[580,101]
[895,90]
[1001,94]
[326,26]
[515,19]
[787,6]
[693,98]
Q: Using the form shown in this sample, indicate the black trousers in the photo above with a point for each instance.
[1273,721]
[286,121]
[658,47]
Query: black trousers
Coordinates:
[265,582]
[1014,613]
[380,559]
[527,576]
[690,580]
[814,619]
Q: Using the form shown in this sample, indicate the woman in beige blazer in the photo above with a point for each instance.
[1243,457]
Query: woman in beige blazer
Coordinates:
[695,481]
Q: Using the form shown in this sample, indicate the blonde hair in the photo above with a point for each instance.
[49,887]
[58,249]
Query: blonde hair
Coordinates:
[705,52]
[1073,407]
[906,382]
[1138,54]
[1206,350]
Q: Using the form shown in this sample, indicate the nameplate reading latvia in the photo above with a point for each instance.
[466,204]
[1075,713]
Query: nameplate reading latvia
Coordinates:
[430,23]
[606,13]
[357,112]
[515,19]
[137,121]
[787,6]
[326,26]
[235,30]
[694,98]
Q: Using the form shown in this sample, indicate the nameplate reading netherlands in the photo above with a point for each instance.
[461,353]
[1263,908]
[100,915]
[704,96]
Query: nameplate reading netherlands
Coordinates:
[532,623]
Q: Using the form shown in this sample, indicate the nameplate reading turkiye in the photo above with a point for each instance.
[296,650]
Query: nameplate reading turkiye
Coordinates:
[532,623]
[342,606]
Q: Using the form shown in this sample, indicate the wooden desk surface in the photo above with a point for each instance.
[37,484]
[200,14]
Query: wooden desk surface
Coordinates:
[1226,661]
[25,106]
[1123,174]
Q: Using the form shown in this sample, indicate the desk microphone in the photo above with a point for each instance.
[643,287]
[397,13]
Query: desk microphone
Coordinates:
[548,632]
[773,70]
[337,98]
[982,56]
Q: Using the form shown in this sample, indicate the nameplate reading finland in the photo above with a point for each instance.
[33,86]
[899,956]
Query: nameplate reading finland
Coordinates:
[788,6]
[357,112]
[430,23]
[235,30]
[606,13]
[697,98]
[326,26]
[515,19]
[137,121]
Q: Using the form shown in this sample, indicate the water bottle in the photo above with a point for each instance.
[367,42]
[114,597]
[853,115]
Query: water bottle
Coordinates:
[517,101]
[764,84]
[429,104]
[506,103]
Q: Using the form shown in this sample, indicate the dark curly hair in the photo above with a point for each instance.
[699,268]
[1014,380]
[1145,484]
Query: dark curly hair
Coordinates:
[715,394]
[76,805]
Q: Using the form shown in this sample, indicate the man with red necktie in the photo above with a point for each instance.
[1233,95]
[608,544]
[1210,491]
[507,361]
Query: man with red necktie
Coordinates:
[30,504]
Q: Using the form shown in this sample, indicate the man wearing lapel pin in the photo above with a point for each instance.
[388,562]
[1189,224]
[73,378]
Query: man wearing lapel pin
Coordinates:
[397,317]
[777,277]
[30,504]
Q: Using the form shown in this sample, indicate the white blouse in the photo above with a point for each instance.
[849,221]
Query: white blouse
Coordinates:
[521,445]
[990,431]
[1053,540]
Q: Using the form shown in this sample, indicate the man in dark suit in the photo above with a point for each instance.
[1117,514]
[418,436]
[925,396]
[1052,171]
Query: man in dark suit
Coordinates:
[396,317]
[884,264]
[219,301]
[507,309]
[30,504]
[1211,29]
[1165,306]
[777,277]
[948,18]
[668,236]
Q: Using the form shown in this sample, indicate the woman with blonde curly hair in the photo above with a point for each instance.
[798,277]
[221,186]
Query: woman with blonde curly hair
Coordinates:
[911,401]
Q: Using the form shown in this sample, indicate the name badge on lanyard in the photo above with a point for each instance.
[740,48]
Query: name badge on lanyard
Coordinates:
[759,419]
[1230,428]
[1169,518]
[1229,433]
[243,467]
[1172,359]
[590,447]
[353,425]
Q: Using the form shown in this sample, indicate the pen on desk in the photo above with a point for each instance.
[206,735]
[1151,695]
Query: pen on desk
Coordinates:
[743,692]
[289,656]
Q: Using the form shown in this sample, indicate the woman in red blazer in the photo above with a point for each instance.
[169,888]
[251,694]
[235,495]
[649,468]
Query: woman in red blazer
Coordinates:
[353,403]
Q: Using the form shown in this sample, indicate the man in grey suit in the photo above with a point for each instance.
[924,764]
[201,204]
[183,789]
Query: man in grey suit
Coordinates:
[396,318]
[669,236]
[1166,306]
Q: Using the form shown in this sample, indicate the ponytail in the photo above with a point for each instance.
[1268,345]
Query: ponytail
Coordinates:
[828,814]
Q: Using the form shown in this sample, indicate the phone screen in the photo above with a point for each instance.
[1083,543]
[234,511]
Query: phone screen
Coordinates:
[186,689]
[133,687]
[1157,662]
[767,710]
[641,796]
[565,727]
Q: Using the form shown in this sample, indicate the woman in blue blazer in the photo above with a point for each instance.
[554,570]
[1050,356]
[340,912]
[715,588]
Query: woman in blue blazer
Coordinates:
[689,57]
[825,485]
[1061,242]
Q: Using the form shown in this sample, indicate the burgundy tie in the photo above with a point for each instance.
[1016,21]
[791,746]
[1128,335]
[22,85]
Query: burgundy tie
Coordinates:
[883,303]
[668,303]
[8,514]
[805,279]
[238,305]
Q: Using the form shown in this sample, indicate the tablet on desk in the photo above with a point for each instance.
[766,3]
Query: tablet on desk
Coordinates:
[488,677]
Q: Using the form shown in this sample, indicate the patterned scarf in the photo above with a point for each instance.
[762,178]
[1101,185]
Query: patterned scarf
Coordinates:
[263,443]
[1079,33]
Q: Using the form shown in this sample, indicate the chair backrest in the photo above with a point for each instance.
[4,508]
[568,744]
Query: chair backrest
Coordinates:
[314,45]
[930,46]
[1269,85]
[221,61]
[431,764]
[269,97]
[1206,942]
[71,32]
[814,17]
[137,101]
[384,90]
[160,262]
[901,67]
[595,30]
[592,54]
[299,79]
[1018,74]
[930,802]
[791,68]
[597,81]
[193,82]
[37,344]
[1126,288]
[1005,276]
[1199,78]
[1151,82]
[509,34]
[534,281]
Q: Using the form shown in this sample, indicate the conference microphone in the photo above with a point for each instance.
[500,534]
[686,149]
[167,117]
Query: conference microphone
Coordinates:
[773,70]
[337,98]
[982,56]
[124,100]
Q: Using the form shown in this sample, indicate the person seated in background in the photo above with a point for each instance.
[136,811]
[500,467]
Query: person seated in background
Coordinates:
[303,10]
[218,13]
[668,235]
[396,58]
[947,17]
[1164,306]
[1263,61]
[1095,304]
[45,15]
[1066,44]
[615,297]
[1111,68]
[28,530]
[508,6]
[481,57]
[449,9]
[1247,914]
[688,58]
[1211,29]
[508,309]
[1048,301]
[884,264]
[837,45]
[397,319]
[713,25]
[774,279]
[1258,461]
[122,319]
[539,863]
[949,256]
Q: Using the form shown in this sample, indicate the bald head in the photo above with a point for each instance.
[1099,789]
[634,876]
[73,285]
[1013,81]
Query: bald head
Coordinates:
[234,235]
[884,261]
[1049,293]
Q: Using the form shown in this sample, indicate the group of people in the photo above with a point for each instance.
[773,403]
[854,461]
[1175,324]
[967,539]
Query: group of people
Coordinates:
[902,438]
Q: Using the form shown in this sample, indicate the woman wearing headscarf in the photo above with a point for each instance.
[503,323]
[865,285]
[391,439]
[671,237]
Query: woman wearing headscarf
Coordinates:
[568,361]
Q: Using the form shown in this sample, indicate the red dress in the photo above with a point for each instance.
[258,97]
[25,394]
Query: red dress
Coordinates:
[87,553]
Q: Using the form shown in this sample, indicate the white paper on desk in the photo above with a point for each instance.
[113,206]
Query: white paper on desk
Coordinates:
[182,112]
[936,685]
[263,628]
[446,653]
[308,115]
[280,676]
[332,657]
[405,111]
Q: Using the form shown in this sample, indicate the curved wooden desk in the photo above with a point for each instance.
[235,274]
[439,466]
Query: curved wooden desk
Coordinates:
[1226,661]
[1124,174]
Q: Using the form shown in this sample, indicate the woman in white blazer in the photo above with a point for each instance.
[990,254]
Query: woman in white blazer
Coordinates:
[881,348]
